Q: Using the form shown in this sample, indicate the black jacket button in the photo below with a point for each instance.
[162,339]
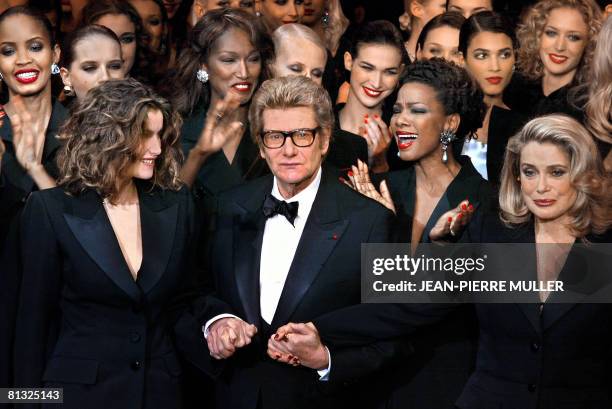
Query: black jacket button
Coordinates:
[136,365]
[135,337]
[535,346]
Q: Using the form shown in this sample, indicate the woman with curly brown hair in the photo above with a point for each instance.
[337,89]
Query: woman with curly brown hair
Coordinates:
[104,254]
[597,109]
[557,39]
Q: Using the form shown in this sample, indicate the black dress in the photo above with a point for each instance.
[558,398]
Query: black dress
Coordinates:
[15,187]
[444,353]
[503,124]
[527,98]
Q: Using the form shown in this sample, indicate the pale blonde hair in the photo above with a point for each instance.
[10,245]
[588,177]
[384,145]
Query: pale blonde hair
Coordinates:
[338,23]
[591,210]
[287,31]
[290,92]
[531,27]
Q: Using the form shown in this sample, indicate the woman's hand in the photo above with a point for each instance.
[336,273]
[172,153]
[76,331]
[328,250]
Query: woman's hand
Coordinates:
[378,137]
[26,140]
[221,125]
[453,222]
[298,344]
[359,180]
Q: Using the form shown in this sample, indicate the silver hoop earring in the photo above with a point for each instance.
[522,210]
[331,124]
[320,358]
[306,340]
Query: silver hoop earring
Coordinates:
[55,69]
[446,137]
[1,77]
[202,76]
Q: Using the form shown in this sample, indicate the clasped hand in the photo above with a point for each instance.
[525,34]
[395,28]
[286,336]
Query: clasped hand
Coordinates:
[226,335]
[298,344]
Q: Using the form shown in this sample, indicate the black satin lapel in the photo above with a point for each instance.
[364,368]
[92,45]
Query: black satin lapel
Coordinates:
[316,244]
[158,231]
[442,207]
[248,236]
[96,236]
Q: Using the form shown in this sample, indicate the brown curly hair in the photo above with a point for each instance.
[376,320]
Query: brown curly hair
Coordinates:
[103,138]
[532,25]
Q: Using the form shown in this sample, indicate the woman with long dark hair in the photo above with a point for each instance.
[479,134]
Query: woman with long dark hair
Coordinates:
[488,45]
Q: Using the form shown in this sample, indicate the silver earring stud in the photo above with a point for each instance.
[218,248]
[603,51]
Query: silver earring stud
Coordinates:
[446,138]
[202,76]
[325,18]
[55,69]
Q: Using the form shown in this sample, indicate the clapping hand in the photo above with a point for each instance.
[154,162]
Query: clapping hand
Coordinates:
[298,344]
[359,180]
[228,334]
[453,221]
[24,138]
[221,125]
[378,137]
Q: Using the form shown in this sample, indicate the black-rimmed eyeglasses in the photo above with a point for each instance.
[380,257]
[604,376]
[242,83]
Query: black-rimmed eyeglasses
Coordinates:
[301,138]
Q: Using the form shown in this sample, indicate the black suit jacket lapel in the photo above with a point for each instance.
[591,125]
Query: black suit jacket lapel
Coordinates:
[323,229]
[91,227]
[158,220]
[247,236]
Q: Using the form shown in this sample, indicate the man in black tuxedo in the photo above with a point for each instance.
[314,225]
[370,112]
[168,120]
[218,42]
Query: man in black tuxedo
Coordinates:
[287,248]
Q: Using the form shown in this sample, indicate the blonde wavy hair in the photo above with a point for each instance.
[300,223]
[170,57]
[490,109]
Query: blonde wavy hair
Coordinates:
[591,210]
[103,139]
[532,25]
[598,112]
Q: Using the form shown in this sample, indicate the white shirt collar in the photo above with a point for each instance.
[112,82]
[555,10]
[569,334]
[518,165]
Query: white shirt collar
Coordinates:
[306,197]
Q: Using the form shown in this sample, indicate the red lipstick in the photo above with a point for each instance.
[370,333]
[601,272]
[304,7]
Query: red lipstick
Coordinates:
[372,93]
[27,76]
[544,202]
[557,59]
[494,80]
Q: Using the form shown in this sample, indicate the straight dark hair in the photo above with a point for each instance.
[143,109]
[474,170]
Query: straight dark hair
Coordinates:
[379,32]
[33,13]
[449,19]
[485,22]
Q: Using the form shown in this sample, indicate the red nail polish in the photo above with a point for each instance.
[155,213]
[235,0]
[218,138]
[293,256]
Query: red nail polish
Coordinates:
[277,356]
[335,237]
[450,219]
[375,116]
[463,207]
[459,216]
[471,208]
[365,120]
[365,116]
[350,173]
[276,337]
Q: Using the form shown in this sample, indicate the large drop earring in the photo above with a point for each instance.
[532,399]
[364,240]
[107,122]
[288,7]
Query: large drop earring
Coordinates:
[202,75]
[55,69]
[446,138]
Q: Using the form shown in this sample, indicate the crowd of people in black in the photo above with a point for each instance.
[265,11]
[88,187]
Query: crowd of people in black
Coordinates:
[185,187]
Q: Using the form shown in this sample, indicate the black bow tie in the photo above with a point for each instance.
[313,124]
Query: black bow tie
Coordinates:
[272,206]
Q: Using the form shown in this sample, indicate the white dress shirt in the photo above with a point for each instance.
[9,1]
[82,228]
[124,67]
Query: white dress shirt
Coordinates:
[280,240]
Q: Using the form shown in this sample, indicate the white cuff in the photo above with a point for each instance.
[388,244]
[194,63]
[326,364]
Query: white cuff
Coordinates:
[324,373]
[215,318]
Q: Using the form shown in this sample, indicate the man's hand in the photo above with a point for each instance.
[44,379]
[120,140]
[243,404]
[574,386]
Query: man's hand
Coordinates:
[228,334]
[298,344]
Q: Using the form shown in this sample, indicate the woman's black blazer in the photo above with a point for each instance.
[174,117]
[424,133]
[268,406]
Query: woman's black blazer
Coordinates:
[84,324]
